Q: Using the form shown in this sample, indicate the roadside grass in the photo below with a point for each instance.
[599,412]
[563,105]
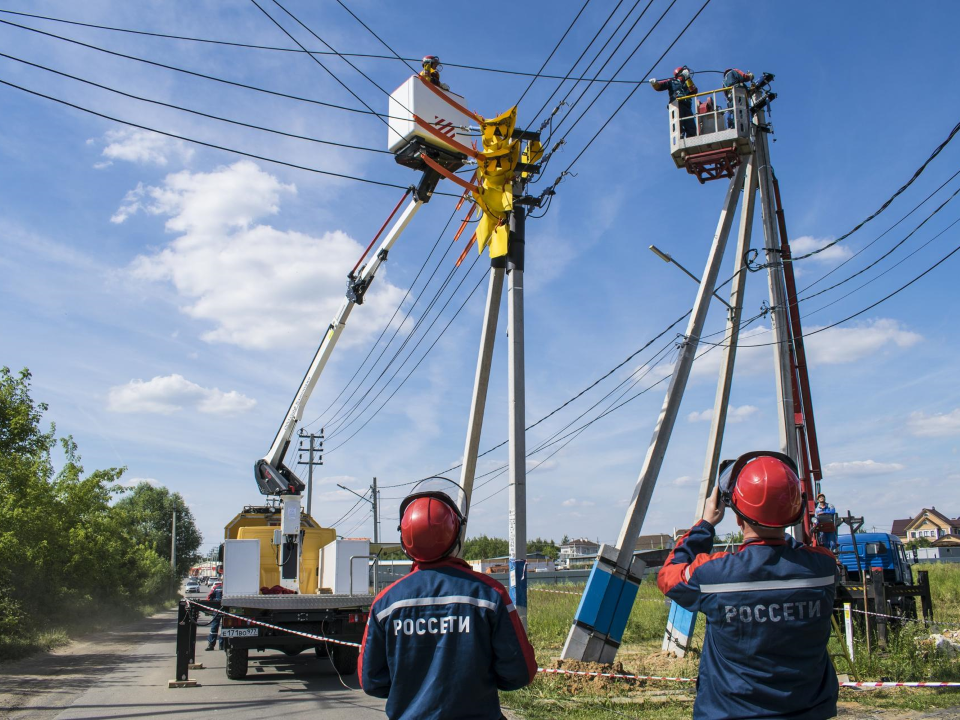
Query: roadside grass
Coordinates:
[906,658]
[62,631]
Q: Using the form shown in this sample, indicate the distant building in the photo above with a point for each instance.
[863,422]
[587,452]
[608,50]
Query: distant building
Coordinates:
[660,541]
[929,523]
[579,548]
[536,562]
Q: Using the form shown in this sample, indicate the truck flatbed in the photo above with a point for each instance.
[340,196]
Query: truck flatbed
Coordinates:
[297,602]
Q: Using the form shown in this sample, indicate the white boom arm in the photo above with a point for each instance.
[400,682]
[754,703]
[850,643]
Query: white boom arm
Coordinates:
[272,476]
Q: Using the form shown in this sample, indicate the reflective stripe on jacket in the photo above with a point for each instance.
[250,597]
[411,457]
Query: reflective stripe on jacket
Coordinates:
[441,641]
[768,609]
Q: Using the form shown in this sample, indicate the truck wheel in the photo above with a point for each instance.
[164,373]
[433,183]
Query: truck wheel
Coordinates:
[344,659]
[238,659]
[321,651]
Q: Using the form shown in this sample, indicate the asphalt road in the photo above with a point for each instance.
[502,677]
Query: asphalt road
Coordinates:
[124,673]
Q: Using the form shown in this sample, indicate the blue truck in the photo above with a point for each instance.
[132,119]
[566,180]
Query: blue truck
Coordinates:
[882,581]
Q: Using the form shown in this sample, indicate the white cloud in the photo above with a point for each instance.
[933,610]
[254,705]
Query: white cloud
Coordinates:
[686,481]
[171,393]
[859,468]
[835,346]
[574,502]
[849,344]
[937,425]
[734,414]
[142,146]
[805,244]
[260,287]
[133,482]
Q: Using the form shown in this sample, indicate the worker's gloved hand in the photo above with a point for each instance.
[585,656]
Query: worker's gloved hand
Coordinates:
[444,86]
[713,510]
[652,81]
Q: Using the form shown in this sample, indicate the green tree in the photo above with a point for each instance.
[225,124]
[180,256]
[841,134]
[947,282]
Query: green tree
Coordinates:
[918,543]
[150,510]
[483,548]
[65,551]
[547,547]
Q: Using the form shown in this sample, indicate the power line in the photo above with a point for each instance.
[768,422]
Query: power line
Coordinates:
[555,48]
[382,41]
[211,145]
[881,235]
[886,204]
[609,58]
[338,421]
[630,94]
[210,116]
[272,48]
[193,73]
[317,60]
[422,358]
[389,322]
[577,61]
[347,513]
[880,275]
[887,253]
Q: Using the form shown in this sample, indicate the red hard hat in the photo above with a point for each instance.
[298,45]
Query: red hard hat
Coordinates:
[429,528]
[763,488]
[430,60]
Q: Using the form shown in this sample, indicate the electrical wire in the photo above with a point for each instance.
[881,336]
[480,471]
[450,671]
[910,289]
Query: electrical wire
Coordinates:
[362,521]
[577,61]
[881,235]
[389,322]
[629,95]
[168,36]
[320,63]
[340,421]
[211,145]
[193,73]
[347,513]
[887,253]
[610,57]
[382,41]
[866,309]
[886,204]
[210,116]
[880,275]
[422,358]
[552,52]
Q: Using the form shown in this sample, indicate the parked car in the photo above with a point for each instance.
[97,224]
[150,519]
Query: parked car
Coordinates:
[192,585]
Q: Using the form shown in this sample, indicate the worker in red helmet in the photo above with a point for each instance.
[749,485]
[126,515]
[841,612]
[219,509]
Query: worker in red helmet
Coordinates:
[679,86]
[441,641]
[431,71]
[767,606]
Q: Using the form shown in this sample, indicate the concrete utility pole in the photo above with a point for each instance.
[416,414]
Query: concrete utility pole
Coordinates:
[517,417]
[314,457]
[375,499]
[173,543]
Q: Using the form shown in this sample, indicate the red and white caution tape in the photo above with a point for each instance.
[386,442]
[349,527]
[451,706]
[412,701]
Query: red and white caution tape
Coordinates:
[616,676]
[580,594]
[904,619]
[899,684]
[250,621]
[561,671]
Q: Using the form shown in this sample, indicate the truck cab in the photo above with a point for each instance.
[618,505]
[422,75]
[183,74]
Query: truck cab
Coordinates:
[877,551]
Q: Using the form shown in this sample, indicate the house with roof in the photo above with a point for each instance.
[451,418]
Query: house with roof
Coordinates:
[931,524]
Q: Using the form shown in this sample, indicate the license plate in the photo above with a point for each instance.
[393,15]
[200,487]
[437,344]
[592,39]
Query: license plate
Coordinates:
[238,632]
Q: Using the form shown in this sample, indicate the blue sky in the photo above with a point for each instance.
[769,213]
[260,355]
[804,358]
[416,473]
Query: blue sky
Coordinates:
[167,297]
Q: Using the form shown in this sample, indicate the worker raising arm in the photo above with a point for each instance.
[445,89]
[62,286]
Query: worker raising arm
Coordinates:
[767,606]
[680,85]
[442,640]
[431,71]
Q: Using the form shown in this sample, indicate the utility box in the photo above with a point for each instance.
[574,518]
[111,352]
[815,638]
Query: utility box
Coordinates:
[241,567]
[415,98]
[341,559]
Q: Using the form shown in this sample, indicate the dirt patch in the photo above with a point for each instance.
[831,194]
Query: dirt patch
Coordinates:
[855,711]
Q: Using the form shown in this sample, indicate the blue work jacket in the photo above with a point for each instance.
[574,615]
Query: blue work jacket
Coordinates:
[768,610]
[441,641]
